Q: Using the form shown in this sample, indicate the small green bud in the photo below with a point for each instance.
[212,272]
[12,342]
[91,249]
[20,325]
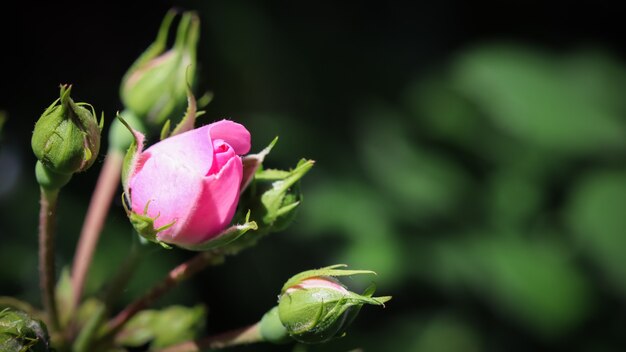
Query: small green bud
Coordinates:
[155,86]
[273,196]
[19,332]
[314,307]
[66,138]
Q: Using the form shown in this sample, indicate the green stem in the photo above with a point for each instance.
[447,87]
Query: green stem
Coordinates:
[243,336]
[99,205]
[174,277]
[47,219]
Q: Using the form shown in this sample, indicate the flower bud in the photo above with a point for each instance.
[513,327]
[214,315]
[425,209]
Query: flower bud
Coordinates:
[155,86]
[274,195]
[314,307]
[19,332]
[66,138]
[184,190]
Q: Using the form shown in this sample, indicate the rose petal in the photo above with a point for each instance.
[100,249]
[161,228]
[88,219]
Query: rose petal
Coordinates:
[193,149]
[169,185]
[318,282]
[214,207]
[222,154]
[236,135]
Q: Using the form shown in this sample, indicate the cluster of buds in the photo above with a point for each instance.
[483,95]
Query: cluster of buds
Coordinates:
[66,140]
[195,189]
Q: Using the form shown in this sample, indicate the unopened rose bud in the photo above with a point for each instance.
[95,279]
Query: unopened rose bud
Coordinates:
[184,189]
[19,332]
[66,138]
[314,307]
[155,86]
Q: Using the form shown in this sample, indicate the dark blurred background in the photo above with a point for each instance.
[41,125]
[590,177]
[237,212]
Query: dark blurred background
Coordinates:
[472,154]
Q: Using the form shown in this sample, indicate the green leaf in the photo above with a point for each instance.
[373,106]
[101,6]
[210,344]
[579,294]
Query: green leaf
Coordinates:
[161,328]
[531,96]
[535,283]
[445,333]
[418,179]
[595,216]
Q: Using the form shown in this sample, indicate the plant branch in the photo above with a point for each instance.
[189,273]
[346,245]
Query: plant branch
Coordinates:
[175,276]
[99,205]
[243,336]
[47,219]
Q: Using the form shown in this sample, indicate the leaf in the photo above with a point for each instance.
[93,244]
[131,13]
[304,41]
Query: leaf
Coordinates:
[531,96]
[420,180]
[595,216]
[535,283]
[161,328]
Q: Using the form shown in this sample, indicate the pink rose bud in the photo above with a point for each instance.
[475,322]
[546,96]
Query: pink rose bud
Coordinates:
[189,184]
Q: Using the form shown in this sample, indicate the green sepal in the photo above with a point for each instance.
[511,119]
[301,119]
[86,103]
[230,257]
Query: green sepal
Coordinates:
[119,137]
[165,131]
[160,43]
[144,225]
[354,311]
[161,328]
[332,271]
[132,154]
[252,163]
[274,198]
[271,175]
[188,122]
[225,238]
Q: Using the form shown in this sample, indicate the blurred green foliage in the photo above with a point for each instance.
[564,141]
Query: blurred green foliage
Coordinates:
[485,185]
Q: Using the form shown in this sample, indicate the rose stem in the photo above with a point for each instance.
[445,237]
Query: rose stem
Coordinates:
[173,278]
[94,221]
[242,336]
[47,219]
